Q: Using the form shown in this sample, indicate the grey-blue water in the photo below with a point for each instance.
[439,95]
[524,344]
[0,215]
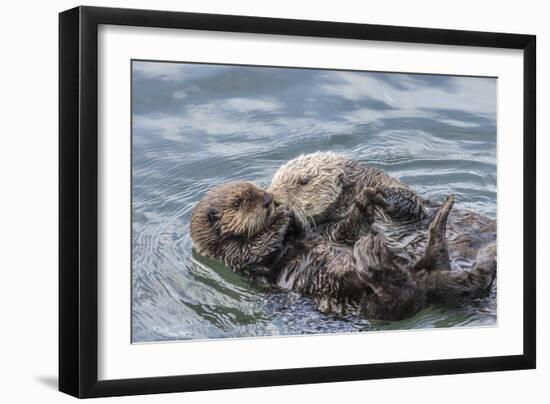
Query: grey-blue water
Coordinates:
[195,126]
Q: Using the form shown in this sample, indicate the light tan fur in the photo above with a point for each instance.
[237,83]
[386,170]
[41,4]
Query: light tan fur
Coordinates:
[309,184]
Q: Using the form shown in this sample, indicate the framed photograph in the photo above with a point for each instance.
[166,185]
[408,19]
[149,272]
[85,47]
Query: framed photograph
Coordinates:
[251,201]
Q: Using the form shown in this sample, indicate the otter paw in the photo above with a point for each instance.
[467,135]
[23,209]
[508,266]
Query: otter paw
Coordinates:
[283,216]
[284,212]
[372,197]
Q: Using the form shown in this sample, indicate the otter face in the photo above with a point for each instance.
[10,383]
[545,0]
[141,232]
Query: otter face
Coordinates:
[239,209]
[309,184]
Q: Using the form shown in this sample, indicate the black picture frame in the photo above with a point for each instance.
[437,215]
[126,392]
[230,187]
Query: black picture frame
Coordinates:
[78,200]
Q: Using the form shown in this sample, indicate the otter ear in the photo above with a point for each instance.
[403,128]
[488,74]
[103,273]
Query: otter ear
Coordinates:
[213,215]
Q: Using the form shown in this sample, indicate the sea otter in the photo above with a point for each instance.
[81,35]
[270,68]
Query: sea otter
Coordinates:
[239,224]
[322,189]
[325,189]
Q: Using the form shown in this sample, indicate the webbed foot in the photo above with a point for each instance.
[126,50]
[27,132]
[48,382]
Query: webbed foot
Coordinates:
[436,256]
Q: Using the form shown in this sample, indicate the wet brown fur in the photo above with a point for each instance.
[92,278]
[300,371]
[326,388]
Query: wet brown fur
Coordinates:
[260,239]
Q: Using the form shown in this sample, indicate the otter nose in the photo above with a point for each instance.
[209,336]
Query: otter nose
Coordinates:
[267,200]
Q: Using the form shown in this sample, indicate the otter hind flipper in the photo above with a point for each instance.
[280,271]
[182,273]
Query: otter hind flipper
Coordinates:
[436,255]
[486,266]
[451,286]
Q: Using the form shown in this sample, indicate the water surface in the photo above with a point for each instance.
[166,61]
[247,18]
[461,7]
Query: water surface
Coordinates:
[196,126]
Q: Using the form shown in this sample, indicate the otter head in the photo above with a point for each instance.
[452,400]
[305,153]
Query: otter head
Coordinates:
[309,184]
[235,209]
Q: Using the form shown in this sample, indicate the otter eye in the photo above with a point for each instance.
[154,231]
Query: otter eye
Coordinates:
[237,203]
[303,180]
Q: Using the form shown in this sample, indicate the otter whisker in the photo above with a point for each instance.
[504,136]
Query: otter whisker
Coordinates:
[300,215]
[310,217]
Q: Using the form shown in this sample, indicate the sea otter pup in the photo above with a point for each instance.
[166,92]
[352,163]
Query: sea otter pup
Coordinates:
[238,224]
[322,189]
